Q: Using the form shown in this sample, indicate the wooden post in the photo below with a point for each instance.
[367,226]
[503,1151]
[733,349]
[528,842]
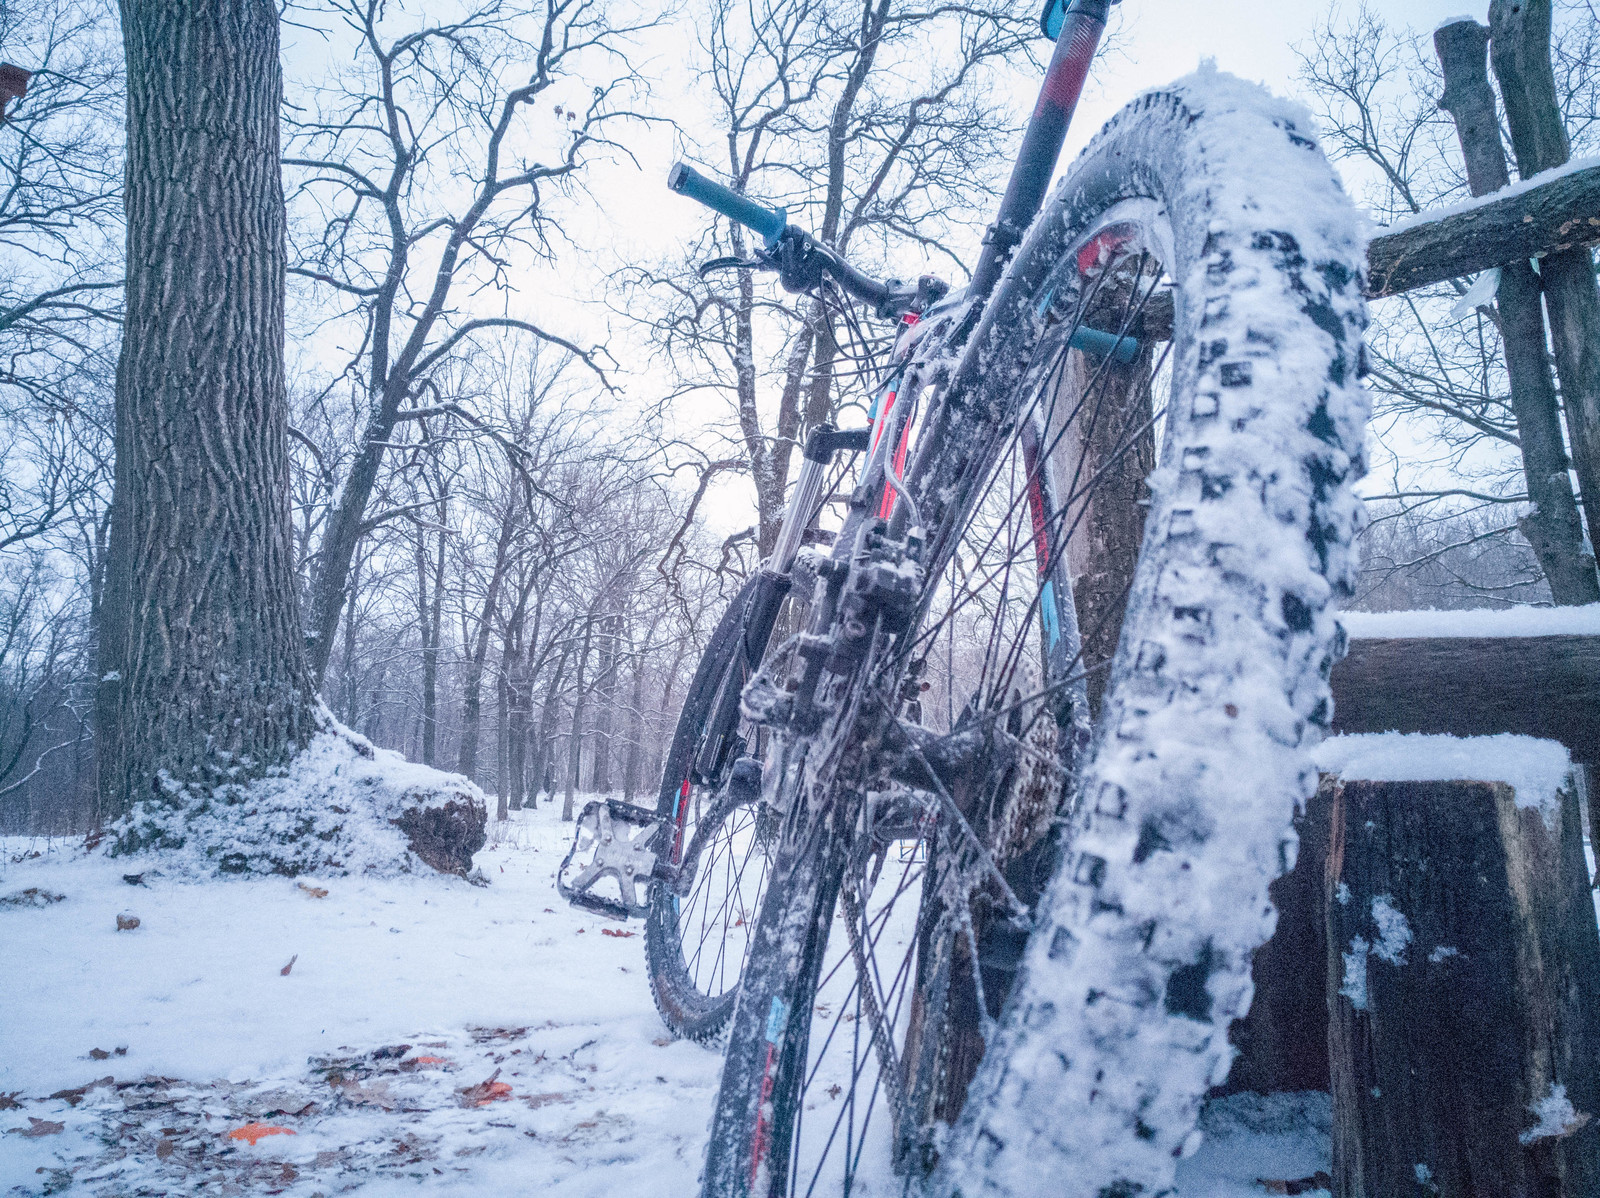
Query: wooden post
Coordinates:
[1553,528]
[1521,32]
[1283,1041]
[1463,980]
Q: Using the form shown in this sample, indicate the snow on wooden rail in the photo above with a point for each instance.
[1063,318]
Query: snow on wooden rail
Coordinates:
[1530,671]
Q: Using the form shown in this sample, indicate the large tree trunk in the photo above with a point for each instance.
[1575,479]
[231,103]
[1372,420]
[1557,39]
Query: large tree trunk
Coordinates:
[1521,33]
[201,644]
[1553,527]
[472,680]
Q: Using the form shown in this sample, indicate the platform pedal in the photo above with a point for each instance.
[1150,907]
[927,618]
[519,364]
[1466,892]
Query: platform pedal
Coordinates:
[613,841]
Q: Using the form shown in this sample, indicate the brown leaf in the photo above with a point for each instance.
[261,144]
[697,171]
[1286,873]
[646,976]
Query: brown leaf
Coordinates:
[164,1149]
[8,1102]
[618,935]
[126,923]
[284,972]
[312,891]
[31,897]
[74,1096]
[487,1091]
[37,1128]
[99,1054]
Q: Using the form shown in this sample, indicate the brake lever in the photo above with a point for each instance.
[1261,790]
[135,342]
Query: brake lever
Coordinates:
[732,263]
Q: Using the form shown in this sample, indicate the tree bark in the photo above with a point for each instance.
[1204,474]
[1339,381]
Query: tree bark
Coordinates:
[472,678]
[1543,220]
[549,714]
[1553,528]
[502,746]
[1521,32]
[1463,981]
[205,677]
[1104,523]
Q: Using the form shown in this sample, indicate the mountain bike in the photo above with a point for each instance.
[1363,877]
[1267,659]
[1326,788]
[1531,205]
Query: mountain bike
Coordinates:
[965,834]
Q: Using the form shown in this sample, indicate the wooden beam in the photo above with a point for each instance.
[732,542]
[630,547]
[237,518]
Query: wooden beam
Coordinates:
[1546,686]
[1529,223]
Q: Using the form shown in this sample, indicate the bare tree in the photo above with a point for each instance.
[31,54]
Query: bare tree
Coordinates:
[1452,442]
[873,122]
[419,177]
[204,677]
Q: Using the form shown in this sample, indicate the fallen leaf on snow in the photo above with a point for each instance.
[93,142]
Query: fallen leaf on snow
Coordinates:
[133,879]
[619,935]
[100,1054]
[485,1092]
[284,972]
[8,1102]
[252,1132]
[662,1041]
[40,1127]
[74,1096]
[126,923]
[31,897]
[312,891]
[164,1149]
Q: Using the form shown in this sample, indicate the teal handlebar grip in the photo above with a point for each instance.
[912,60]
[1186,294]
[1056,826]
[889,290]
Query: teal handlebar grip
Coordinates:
[1093,341]
[768,222]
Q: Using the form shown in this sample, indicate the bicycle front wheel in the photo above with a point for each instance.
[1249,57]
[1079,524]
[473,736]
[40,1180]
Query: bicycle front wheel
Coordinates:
[1124,632]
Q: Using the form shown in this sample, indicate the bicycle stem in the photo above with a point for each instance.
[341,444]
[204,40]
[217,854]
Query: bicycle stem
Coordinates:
[1075,48]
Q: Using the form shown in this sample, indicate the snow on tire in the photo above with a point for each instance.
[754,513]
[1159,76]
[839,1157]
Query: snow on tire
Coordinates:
[1118,1023]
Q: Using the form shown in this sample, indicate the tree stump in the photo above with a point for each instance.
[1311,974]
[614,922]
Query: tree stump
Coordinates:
[1463,977]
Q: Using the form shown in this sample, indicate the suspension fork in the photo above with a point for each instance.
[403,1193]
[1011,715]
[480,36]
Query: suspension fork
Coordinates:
[771,586]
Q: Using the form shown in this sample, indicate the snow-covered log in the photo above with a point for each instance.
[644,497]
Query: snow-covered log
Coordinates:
[1463,972]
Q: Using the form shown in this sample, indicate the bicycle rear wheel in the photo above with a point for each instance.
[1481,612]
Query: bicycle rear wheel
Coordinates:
[891,936]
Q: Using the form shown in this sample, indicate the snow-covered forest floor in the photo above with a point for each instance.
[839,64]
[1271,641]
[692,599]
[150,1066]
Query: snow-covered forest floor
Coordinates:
[430,1034]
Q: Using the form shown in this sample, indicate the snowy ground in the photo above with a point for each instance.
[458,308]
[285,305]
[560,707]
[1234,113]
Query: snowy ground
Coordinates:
[404,998]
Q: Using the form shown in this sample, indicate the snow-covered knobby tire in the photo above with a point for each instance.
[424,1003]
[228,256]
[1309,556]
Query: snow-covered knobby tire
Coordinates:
[1140,958]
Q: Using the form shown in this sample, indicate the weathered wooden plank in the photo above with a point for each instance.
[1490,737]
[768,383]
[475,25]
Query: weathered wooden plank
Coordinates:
[1546,686]
[1463,976]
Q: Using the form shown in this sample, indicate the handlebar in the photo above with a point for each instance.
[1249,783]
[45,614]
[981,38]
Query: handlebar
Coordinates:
[768,222]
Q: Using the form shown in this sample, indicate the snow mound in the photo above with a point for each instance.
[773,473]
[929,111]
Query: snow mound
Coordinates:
[343,806]
[1536,769]
[1511,621]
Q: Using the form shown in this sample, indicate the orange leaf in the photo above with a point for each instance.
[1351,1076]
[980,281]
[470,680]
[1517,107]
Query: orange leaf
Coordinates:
[432,1061]
[251,1132]
[485,1092]
[617,934]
